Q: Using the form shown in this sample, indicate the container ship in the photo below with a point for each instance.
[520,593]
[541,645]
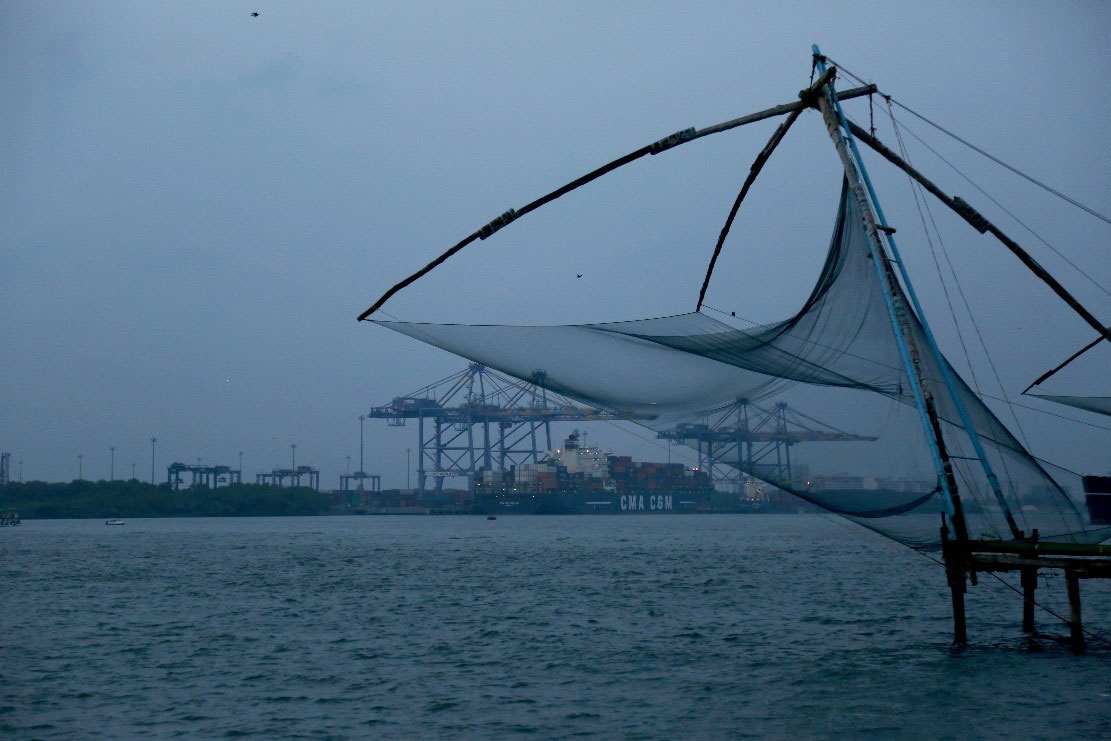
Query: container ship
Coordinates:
[579,479]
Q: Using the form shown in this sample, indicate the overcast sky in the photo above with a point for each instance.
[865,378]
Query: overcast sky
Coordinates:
[198,203]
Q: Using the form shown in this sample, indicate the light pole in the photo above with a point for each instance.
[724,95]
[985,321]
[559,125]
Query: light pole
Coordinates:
[362,468]
[348,465]
[112,464]
[80,477]
[408,467]
[153,440]
[132,471]
[21,472]
[293,456]
[240,465]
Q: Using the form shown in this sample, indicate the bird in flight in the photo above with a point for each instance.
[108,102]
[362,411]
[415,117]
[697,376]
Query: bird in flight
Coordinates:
[254,15]
[579,275]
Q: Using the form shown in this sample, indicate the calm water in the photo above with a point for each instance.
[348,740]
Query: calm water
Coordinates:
[639,627]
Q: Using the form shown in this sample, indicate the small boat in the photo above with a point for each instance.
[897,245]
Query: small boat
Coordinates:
[491,517]
[113,521]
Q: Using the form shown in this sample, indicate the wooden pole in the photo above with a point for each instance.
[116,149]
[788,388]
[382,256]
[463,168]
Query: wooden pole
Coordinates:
[806,96]
[1072,582]
[955,576]
[779,110]
[757,166]
[1029,584]
[957,589]
[900,319]
[669,142]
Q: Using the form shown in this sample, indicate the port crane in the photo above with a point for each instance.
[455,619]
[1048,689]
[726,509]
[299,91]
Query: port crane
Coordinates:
[204,476]
[748,437]
[478,419]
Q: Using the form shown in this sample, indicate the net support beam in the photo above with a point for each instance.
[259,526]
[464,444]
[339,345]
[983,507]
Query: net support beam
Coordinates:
[662,145]
[1045,376]
[981,224]
[807,96]
[943,365]
[779,110]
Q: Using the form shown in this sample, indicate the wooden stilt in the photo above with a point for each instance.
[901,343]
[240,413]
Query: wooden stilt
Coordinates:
[1029,584]
[957,589]
[955,575]
[1072,582]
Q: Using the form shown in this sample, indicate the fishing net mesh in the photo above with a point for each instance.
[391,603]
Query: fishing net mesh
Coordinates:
[1096,404]
[819,405]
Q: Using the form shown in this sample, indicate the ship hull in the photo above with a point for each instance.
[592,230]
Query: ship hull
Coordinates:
[592,503]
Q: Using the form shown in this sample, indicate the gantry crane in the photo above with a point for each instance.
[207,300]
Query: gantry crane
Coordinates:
[479,420]
[749,438]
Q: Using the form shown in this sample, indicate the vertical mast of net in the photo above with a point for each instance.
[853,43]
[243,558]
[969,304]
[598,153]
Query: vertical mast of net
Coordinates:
[943,365]
[943,470]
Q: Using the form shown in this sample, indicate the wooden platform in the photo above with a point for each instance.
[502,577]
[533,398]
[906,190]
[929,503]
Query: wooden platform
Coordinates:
[964,558]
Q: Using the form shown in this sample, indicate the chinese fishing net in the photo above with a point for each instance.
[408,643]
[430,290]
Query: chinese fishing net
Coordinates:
[819,405]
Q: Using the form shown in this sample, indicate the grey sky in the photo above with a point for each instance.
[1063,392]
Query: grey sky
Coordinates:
[198,203]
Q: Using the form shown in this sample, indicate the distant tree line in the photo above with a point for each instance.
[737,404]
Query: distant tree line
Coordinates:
[133,498]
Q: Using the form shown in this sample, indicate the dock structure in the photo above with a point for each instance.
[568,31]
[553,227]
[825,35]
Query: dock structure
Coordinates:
[290,477]
[964,558]
[359,477]
[478,420]
[361,489]
[203,476]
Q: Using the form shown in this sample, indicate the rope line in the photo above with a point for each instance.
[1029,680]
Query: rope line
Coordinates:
[1021,223]
[1004,209]
[919,197]
[998,161]
[975,148]
[964,298]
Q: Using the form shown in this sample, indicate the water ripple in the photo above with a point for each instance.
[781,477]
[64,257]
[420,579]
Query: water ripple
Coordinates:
[401,627]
